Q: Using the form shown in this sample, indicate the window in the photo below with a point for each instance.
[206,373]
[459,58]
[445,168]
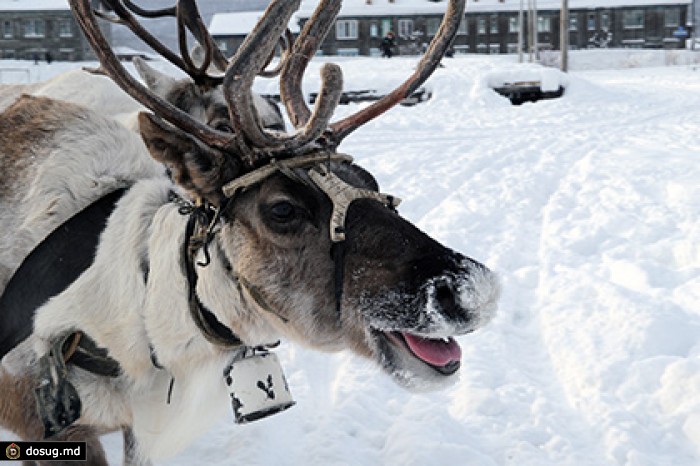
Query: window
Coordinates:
[544,24]
[605,21]
[672,18]
[633,43]
[573,23]
[406,28]
[374,30]
[34,28]
[386,26]
[223,45]
[64,28]
[481,25]
[463,27]
[590,22]
[513,24]
[633,19]
[432,25]
[346,29]
[7,29]
[66,54]
[493,24]
[348,52]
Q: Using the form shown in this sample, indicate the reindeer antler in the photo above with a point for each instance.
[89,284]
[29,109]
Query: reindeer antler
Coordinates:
[250,142]
[244,66]
[302,52]
[438,46]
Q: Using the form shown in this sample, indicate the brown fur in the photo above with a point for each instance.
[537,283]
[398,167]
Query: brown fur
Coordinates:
[25,127]
[199,169]
[18,412]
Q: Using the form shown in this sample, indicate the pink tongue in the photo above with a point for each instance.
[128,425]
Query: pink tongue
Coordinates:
[436,352]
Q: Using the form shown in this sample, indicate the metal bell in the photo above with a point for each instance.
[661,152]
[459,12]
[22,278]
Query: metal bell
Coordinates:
[257,386]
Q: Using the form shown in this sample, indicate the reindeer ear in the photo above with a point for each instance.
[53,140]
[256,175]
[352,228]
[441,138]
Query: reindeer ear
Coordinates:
[199,169]
[158,82]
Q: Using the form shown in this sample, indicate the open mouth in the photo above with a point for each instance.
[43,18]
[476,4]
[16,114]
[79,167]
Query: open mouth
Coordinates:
[442,354]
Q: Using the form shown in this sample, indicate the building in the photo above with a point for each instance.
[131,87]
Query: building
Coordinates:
[229,30]
[611,23]
[41,29]
[492,26]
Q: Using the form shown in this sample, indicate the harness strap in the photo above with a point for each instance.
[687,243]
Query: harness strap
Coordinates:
[51,267]
[213,330]
[80,350]
[342,195]
[338,253]
[57,400]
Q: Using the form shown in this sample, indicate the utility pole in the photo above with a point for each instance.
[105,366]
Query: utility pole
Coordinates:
[521,26]
[530,31]
[564,35]
[535,31]
[693,32]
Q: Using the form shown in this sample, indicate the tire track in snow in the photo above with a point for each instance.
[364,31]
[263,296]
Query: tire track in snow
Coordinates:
[626,337]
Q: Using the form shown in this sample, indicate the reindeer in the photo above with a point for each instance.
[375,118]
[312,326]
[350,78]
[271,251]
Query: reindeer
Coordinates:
[45,194]
[98,93]
[252,235]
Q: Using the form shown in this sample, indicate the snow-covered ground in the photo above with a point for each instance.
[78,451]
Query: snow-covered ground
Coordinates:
[588,207]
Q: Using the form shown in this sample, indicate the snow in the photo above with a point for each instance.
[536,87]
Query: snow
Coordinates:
[33,5]
[588,207]
[241,23]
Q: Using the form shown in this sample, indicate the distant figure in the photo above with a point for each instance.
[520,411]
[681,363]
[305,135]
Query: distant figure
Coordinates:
[387,45]
[35,56]
[601,38]
[49,57]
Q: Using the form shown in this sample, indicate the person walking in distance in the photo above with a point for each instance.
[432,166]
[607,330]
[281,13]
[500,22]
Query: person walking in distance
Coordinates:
[387,45]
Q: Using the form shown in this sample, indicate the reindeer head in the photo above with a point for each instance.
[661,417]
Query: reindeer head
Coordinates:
[305,236]
[204,103]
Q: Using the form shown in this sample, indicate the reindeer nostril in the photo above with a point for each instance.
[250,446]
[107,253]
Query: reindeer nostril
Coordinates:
[446,298]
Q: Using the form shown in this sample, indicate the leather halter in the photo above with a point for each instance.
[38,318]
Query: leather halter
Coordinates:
[340,193]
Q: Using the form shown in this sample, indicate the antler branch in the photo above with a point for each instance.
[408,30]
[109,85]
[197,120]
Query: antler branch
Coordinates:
[170,11]
[250,142]
[188,18]
[430,61]
[114,69]
[246,63]
[286,42]
[303,50]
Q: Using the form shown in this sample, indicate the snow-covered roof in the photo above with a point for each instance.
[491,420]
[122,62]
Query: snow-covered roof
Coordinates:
[33,5]
[413,7]
[240,23]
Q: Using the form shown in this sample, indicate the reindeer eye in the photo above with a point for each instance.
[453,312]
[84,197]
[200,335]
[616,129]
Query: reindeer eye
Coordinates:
[282,211]
[224,127]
